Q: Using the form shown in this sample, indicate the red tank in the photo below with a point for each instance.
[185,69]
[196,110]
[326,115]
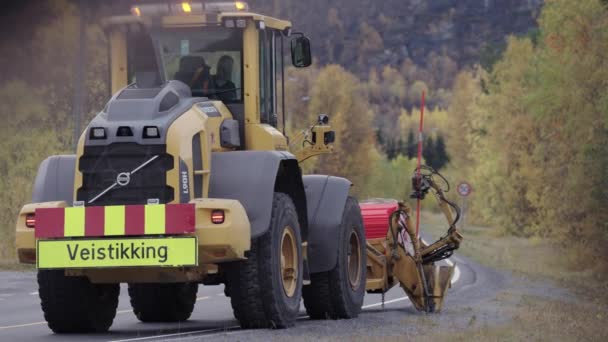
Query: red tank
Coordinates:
[375,217]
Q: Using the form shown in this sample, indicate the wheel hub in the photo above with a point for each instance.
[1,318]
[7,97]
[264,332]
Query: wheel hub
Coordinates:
[289,261]
[354,260]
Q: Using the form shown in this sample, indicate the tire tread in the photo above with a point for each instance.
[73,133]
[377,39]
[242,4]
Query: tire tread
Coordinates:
[327,296]
[253,293]
[157,302]
[74,304]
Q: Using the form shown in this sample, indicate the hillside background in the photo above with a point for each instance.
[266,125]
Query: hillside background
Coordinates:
[362,34]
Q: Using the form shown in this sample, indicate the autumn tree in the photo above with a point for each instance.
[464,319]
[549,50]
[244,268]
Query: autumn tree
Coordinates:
[416,90]
[36,93]
[539,135]
[370,42]
[465,122]
[298,87]
[338,93]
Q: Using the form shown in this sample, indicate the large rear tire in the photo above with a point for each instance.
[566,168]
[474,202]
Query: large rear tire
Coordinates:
[266,289]
[339,292]
[170,302]
[74,304]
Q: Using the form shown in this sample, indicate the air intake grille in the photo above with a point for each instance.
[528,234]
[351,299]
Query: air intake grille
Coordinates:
[101,165]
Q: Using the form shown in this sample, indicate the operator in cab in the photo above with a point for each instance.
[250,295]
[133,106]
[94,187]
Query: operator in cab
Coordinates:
[222,80]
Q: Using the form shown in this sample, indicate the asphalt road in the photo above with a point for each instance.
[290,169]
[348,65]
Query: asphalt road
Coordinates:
[21,316]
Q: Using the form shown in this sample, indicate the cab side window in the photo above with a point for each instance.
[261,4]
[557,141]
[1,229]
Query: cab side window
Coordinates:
[268,73]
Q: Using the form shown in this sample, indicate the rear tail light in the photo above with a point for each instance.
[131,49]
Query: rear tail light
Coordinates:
[217,216]
[30,221]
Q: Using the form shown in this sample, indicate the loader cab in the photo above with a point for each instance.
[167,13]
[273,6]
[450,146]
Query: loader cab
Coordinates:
[210,62]
[220,50]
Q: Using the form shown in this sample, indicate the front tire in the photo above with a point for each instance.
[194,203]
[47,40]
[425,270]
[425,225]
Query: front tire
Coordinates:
[266,289]
[339,292]
[171,302]
[74,304]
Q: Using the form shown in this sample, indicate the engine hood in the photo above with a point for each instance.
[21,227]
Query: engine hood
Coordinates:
[137,108]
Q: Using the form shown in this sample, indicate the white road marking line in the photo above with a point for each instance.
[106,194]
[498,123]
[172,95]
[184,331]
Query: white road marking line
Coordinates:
[21,325]
[6,294]
[223,333]
[457,259]
[386,302]
[456,275]
[40,323]
[35,293]
[220,295]
[202,298]
[177,334]
[239,331]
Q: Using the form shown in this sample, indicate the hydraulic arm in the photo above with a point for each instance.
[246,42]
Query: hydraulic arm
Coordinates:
[405,258]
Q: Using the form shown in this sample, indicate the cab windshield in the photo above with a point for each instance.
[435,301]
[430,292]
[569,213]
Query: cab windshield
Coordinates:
[209,60]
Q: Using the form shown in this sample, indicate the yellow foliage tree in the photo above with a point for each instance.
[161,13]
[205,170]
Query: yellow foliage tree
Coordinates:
[538,137]
[338,93]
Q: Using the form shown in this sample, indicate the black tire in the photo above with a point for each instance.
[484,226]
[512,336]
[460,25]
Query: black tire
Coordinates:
[333,294]
[170,302]
[317,297]
[75,305]
[257,294]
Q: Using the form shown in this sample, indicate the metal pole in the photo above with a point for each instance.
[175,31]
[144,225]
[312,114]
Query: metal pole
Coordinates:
[464,212]
[283,83]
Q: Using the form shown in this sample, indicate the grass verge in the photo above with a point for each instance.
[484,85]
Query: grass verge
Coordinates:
[580,315]
[536,319]
[571,266]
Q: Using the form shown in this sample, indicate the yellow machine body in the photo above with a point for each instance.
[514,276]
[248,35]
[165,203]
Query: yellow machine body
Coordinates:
[226,242]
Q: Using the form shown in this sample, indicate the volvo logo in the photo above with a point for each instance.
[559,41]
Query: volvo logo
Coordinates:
[123,178]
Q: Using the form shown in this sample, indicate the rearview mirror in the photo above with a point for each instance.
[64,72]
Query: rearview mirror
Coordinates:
[300,52]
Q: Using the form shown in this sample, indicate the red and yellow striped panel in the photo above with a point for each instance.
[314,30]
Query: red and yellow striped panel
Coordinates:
[129,220]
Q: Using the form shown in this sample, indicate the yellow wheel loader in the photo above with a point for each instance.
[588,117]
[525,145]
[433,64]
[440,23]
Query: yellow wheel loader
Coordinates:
[184,178]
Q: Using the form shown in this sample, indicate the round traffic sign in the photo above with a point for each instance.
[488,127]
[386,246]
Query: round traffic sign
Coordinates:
[464,189]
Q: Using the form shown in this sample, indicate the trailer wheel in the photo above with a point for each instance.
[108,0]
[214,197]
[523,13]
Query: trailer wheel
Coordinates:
[170,302]
[266,289]
[339,292]
[74,304]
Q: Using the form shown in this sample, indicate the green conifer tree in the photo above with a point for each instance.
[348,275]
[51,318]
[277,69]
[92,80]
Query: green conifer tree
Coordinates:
[428,151]
[441,155]
[412,146]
